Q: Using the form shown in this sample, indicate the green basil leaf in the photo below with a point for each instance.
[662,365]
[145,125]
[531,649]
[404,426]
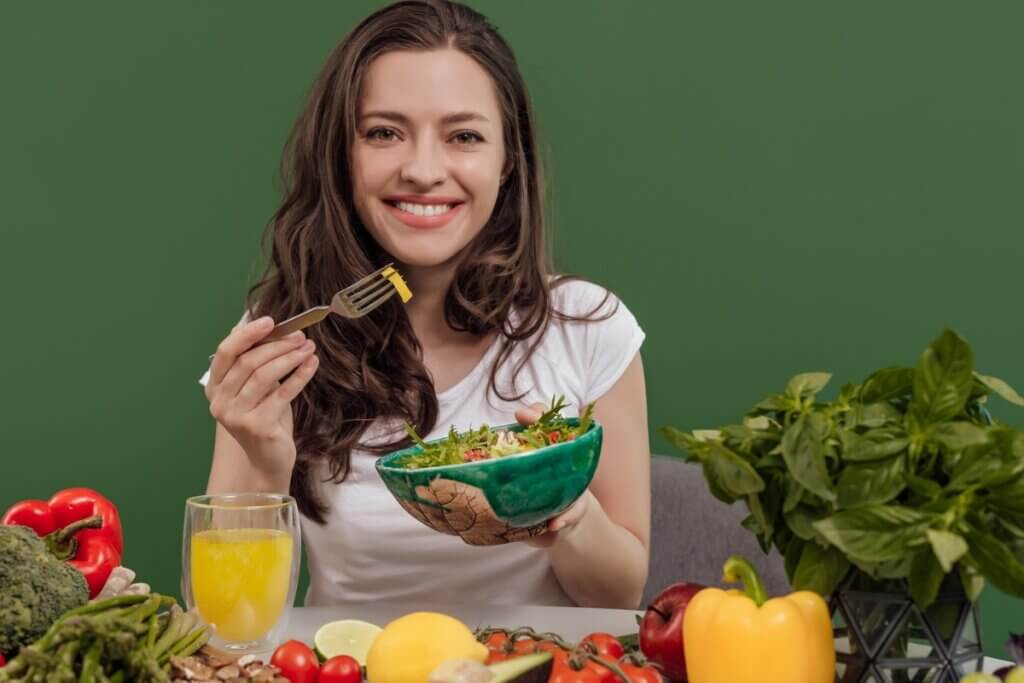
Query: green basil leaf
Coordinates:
[1013,526]
[734,474]
[770,461]
[925,578]
[882,533]
[895,569]
[871,483]
[683,441]
[794,492]
[1009,496]
[875,444]
[760,423]
[997,562]
[716,487]
[947,546]
[776,403]
[873,415]
[886,384]
[804,452]
[972,581]
[956,436]
[1000,387]
[820,569]
[792,558]
[926,488]
[987,466]
[758,513]
[753,526]
[801,521]
[942,380]
[807,384]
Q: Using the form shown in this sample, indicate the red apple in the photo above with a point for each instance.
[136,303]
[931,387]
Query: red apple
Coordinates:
[661,631]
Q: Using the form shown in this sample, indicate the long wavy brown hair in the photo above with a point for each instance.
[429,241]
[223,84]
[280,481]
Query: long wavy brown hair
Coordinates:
[373,368]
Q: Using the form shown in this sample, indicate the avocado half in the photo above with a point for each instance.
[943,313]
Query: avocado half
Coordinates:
[535,668]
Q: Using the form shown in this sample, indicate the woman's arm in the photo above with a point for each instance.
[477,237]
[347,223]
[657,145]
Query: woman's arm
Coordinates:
[601,560]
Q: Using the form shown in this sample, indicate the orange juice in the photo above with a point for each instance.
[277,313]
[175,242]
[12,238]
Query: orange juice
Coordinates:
[240,579]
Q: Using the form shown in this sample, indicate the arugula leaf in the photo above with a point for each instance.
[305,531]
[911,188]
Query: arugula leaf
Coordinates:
[942,380]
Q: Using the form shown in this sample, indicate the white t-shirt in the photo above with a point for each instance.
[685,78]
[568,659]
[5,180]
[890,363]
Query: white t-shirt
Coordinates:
[371,549]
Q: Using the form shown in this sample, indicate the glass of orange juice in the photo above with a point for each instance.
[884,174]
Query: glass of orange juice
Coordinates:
[240,565]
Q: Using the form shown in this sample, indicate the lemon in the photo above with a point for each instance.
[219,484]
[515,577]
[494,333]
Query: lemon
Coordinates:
[411,647]
[350,637]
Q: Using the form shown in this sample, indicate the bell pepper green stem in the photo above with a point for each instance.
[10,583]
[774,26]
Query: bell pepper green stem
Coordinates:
[738,569]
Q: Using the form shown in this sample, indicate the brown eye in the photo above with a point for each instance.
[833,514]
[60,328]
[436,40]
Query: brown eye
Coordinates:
[381,135]
[467,137]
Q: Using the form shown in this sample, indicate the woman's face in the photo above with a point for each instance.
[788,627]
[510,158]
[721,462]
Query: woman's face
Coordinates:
[428,155]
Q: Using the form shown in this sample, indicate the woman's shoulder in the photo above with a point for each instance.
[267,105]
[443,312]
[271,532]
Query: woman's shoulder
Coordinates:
[573,296]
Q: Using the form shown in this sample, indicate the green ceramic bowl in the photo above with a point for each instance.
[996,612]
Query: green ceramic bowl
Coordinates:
[490,502]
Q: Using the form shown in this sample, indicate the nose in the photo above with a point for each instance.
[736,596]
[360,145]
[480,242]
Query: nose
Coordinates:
[425,166]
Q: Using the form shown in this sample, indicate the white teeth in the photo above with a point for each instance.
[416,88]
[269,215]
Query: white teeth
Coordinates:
[424,209]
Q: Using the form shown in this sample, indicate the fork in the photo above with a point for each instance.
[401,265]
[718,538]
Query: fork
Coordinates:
[355,301]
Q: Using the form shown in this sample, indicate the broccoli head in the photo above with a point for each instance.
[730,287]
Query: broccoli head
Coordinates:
[35,587]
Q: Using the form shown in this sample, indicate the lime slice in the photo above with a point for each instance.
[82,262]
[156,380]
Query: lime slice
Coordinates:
[350,637]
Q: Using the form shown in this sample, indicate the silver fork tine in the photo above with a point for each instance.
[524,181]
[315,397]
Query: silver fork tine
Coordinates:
[370,291]
[366,308]
[362,281]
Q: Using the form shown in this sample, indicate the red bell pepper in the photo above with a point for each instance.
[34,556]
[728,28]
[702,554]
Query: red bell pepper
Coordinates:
[80,526]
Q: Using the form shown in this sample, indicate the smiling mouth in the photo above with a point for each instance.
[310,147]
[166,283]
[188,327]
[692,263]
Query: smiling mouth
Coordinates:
[416,209]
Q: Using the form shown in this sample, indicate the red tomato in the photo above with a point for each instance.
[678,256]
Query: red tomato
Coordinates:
[605,645]
[296,661]
[3,662]
[591,672]
[495,643]
[640,674]
[563,673]
[340,669]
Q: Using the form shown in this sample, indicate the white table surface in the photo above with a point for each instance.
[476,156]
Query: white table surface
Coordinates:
[572,623]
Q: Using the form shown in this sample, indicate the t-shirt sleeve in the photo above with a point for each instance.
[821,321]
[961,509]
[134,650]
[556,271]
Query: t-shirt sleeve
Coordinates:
[607,343]
[205,379]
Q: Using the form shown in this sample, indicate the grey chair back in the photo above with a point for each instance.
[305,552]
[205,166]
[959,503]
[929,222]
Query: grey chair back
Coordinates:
[693,533]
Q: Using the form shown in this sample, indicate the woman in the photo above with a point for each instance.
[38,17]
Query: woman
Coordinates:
[417,146]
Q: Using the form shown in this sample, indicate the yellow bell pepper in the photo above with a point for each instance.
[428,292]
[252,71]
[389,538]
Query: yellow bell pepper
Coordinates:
[732,637]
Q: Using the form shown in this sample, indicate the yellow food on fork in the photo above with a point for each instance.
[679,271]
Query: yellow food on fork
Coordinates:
[393,276]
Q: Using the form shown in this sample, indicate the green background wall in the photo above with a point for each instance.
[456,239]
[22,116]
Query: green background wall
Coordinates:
[771,187]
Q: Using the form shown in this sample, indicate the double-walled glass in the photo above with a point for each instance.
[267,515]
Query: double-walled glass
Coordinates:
[240,565]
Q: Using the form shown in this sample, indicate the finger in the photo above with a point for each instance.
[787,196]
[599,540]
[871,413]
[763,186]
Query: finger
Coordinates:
[254,359]
[527,416]
[279,399]
[567,519]
[266,378]
[240,340]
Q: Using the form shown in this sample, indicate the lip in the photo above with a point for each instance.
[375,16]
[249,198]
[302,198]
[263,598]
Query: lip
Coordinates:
[423,222]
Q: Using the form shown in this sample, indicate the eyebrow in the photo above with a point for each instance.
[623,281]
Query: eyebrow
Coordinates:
[398,117]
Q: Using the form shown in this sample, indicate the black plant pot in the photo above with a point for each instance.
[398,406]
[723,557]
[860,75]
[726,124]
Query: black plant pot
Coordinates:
[883,637]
